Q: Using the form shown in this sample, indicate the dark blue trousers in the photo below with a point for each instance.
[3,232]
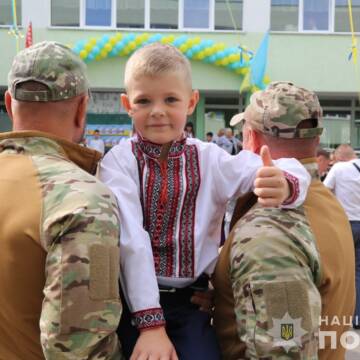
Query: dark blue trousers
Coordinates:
[355,227]
[188,328]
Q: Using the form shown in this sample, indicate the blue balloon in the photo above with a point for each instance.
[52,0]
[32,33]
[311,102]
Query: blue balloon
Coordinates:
[196,48]
[189,54]
[119,46]
[131,37]
[95,50]
[113,52]
[106,38]
[77,49]
[212,58]
[209,42]
[90,57]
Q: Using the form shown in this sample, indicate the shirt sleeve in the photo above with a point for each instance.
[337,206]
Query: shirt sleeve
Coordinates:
[81,308]
[234,175]
[274,277]
[137,263]
[330,180]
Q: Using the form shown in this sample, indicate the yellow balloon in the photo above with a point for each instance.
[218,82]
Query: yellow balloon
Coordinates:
[98,57]
[118,36]
[113,40]
[108,47]
[138,40]
[197,40]
[184,48]
[103,53]
[132,45]
[225,62]
[208,52]
[164,40]
[145,36]
[171,38]
[93,41]
[83,54]
[201,55]
[232,58]
[246,57]
[88,47]
[218,62]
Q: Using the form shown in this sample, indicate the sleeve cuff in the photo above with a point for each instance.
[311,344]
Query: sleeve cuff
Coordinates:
[294,188]
[149,318]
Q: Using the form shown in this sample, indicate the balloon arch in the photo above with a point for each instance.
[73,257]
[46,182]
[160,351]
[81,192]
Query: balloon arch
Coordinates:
[236,59]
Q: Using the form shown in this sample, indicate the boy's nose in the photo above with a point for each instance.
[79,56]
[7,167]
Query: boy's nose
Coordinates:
[157,111]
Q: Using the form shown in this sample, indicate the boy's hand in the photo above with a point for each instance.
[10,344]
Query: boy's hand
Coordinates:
[270,184]
[154,344]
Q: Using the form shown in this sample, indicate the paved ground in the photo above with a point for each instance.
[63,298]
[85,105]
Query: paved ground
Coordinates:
[354,354]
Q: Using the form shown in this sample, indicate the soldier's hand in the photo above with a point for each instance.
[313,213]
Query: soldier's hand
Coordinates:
[270,184]
[154,344]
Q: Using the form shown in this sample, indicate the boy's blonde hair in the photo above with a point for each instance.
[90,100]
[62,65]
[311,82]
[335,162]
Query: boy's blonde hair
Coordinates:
[154,60]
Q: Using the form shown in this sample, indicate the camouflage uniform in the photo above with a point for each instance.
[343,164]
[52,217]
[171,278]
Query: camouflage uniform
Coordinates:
[269,269]
[70,224]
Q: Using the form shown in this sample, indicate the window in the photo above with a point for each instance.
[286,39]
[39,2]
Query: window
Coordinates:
[316,15]
[98,13]
[164,14]
[342,21]
[65,13]
[196,14]
[228,14]
[130,14]
[146,14]
[285,15]
[6,14]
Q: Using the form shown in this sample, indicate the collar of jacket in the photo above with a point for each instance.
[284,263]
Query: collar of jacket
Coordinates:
[154,150]
[46,143]
[311,166]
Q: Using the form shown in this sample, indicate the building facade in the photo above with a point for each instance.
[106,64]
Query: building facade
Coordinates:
[310,43]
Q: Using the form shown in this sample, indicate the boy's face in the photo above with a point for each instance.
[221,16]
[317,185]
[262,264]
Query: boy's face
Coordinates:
[159,106]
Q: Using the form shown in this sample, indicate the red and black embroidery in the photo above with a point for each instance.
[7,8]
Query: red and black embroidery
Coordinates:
[149,318]
[170,224]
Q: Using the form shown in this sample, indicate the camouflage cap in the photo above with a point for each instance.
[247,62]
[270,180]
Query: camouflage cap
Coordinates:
[280,108]
[51,64]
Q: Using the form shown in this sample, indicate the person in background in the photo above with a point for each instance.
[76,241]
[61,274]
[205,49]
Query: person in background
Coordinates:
[343,180]
[209,136]
[97,143]
[269,266]
[323,161]
[59,228]
[189,130]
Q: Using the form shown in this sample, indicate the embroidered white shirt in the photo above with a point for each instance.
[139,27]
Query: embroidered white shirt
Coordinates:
[221,177]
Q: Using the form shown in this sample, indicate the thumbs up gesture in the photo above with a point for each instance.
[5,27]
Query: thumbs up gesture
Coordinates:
[270,184]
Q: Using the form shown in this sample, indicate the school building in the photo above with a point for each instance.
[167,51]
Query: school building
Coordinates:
[310,44]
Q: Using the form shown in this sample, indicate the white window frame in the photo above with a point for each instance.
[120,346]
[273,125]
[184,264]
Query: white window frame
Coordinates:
[332,6]
[330,19]
[147,20]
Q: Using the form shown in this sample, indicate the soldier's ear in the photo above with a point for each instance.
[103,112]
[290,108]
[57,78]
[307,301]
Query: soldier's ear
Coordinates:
[8,105]
[80,118]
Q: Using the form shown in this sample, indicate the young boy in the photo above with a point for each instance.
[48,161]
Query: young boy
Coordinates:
[172,192]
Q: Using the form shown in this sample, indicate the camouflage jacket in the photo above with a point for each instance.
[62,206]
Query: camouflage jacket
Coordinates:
[273,270]
[65,224]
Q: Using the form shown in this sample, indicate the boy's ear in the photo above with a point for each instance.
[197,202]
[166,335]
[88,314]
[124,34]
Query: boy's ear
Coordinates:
[126,103]
[193,101]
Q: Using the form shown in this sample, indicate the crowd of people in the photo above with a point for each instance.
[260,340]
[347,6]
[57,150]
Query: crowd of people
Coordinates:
[153,217]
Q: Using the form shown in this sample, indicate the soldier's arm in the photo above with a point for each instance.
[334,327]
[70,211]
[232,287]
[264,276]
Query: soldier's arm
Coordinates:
[272,274]
[81,308]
